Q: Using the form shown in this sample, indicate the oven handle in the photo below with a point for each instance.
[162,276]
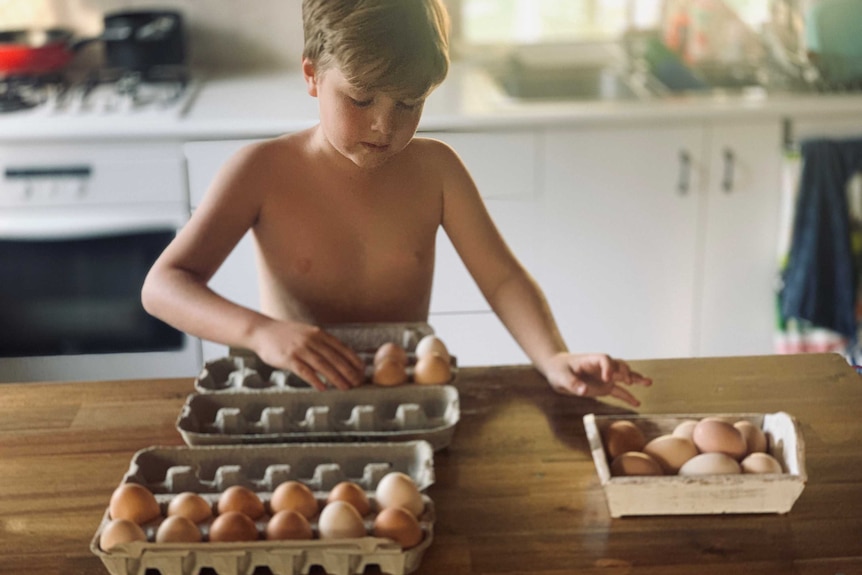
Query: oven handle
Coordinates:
[58,225]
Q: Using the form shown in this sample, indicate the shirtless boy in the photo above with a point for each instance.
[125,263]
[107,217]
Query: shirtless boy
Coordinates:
[344,215]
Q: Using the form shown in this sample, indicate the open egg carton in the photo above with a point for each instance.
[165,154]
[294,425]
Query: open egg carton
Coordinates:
[208,471]
[243,371]
[241,400]
[703,494]
[368,413]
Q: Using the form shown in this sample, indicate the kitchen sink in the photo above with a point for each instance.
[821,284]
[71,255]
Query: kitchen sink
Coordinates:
[588,83]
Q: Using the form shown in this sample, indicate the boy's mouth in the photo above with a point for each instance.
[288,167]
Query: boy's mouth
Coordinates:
[375,147]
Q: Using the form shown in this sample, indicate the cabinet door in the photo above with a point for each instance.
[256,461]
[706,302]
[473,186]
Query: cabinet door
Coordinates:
[619,237]
[503,165]
[740,261]
[236,279]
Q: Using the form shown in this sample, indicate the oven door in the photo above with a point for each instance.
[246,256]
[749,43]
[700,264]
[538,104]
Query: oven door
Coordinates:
[70,296]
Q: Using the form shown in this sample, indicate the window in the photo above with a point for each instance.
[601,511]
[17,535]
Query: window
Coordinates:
[535,21]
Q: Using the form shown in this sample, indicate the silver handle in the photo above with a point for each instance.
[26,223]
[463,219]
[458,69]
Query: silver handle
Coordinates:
[58,224]
[729,165]
[684,183]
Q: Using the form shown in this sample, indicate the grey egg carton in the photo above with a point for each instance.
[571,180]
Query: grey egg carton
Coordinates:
[368,413]
[241,370]
[208,471]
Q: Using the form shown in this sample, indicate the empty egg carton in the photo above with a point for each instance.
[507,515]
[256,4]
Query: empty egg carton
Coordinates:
[208,471]
[427,412]
[242,370]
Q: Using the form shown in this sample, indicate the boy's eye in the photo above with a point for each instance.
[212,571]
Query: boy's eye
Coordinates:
[361,103]
[408,105]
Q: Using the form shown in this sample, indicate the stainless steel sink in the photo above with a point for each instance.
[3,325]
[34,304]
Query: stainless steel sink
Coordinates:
[568,83]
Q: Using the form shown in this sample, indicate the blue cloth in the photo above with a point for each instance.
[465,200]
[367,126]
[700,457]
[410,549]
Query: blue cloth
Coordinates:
[821,276]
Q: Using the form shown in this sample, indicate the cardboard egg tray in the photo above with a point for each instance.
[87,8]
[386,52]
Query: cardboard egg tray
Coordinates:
[208,471]
[242,370]
[368,413]
[704,494]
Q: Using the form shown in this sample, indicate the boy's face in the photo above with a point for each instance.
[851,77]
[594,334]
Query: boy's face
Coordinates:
[366,128]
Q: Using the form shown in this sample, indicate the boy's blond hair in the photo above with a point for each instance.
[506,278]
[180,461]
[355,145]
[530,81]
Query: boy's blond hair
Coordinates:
[396,46]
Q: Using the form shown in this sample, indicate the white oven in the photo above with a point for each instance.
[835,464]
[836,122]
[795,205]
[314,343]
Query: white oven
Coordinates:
[80,226]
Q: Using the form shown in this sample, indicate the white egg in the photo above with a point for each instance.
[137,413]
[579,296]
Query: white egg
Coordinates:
[397,489]
[340,520]
[431,344]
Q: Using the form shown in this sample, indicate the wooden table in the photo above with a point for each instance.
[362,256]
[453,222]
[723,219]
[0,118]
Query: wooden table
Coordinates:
[516,492]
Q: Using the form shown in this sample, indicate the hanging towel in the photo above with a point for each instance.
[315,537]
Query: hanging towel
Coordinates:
[820,280]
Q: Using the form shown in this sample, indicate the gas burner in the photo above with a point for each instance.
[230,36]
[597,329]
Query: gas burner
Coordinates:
[24,92]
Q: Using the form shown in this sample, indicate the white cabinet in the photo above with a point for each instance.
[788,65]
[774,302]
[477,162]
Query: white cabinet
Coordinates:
[739,264]
[236,279]
[503,165]
[619,237]
[648,252]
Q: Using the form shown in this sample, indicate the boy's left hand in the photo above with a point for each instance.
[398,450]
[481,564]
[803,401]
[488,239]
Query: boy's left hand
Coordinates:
[592,375]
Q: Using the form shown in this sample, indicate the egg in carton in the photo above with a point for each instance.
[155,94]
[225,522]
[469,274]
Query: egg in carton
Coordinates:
[690,464]
[210,472]
[367,413]
[243,371]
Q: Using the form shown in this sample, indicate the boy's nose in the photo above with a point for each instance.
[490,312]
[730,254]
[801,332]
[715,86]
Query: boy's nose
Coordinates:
[384,121]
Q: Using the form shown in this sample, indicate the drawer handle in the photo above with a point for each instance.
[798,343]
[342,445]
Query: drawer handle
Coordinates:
[729,162]
[684,172]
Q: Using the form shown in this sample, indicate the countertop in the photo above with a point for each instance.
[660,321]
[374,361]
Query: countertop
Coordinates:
[268,103]
[515,492]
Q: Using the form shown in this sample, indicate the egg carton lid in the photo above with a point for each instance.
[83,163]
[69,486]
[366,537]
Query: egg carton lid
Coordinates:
[207,470]
[366,414]
[703,494]
[321,466]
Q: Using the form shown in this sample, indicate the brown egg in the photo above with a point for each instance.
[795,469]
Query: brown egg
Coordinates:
[191,506]
[623,436]
[134,502]
[389,371]
[635,463]
[393,351]
[432,369]
[340,520]
[351,493]
[755,439]
[670,452]
[233,526]
[713,435]
[400,525]
[242,499]
[288,525]
[712,463]
[397,489]
[119,531]
[759,462]
[178,529]
[294,496]
[432,344]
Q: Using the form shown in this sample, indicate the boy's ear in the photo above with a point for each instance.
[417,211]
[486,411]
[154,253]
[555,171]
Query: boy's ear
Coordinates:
[308,73]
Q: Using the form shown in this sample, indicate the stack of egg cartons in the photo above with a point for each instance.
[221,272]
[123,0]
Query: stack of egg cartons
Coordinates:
[253,426]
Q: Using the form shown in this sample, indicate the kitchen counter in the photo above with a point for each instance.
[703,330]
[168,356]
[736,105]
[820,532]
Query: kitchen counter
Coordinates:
[515,492]
[264,104]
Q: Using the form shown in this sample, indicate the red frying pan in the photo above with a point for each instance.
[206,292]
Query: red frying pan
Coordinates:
[35,52]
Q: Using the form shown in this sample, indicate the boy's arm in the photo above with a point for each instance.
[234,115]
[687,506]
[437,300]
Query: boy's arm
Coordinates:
[176,289]
[516,298]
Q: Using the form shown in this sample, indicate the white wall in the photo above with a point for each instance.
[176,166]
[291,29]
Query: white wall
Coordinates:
[224,34]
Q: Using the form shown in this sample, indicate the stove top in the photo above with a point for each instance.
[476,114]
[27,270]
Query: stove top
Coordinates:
[165,90]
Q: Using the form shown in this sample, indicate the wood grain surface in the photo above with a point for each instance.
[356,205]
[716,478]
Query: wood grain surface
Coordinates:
[516,492]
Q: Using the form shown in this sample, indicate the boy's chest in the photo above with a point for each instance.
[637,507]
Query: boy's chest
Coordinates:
[339,236]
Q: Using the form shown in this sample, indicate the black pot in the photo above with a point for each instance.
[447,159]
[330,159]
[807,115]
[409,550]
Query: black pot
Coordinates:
[144,39]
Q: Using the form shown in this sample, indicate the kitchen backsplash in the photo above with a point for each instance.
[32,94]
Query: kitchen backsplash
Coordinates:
[223,34]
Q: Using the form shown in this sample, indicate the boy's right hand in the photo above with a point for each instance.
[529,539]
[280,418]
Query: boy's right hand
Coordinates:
[309,352]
